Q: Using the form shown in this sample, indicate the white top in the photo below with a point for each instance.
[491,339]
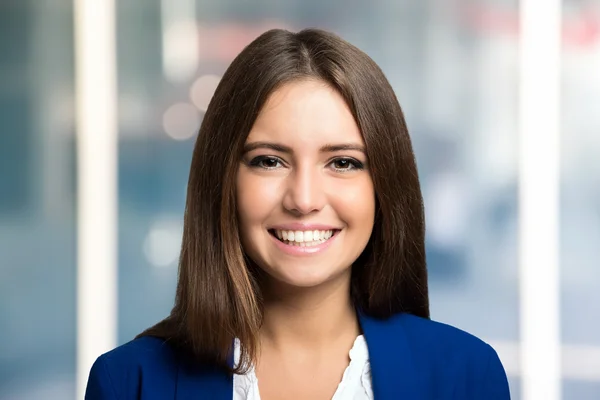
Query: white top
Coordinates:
[355,384]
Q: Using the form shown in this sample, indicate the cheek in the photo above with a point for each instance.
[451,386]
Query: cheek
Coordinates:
[255,199]
[355,203]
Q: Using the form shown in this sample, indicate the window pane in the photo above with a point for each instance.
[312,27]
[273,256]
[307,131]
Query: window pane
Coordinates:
[580,200]
[37,214]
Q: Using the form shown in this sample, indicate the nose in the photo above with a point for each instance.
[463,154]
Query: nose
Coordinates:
[305,191]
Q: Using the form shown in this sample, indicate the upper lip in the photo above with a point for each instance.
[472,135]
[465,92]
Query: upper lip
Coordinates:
[299,226]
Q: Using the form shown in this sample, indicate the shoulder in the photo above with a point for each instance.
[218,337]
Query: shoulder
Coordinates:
[445,344]
[438,336]
[146,350]
[142,364]
[424,335]
[443,358]
[470,366]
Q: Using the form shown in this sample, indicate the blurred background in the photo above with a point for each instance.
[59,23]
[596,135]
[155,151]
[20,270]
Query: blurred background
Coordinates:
[454,66]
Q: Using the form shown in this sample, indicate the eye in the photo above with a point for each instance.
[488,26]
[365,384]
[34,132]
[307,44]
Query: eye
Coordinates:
[266,162]
[346,164]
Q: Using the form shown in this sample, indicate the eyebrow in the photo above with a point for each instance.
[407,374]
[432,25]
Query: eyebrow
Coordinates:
[328,148]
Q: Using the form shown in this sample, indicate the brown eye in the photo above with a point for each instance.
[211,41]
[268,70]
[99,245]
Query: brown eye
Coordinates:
[342,164]
[265,162]
[346,164]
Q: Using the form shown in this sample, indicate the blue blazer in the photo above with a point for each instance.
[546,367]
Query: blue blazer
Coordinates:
[411,358]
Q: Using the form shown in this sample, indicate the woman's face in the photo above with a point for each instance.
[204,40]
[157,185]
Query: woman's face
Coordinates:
[305,197]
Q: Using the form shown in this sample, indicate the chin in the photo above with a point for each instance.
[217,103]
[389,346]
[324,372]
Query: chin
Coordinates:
[302,278]
[302,282]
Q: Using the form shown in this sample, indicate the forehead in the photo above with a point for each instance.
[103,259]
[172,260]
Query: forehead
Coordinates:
[305,113]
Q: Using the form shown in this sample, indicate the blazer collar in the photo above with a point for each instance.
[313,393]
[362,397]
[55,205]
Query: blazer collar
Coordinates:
[393,365]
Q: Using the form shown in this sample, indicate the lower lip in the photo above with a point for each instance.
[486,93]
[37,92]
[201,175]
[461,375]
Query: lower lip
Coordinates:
[303,251]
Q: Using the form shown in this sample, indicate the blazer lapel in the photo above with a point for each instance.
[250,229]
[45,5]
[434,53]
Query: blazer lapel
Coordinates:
[393,368]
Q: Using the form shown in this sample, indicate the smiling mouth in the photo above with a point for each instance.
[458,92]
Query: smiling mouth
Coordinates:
[303,238]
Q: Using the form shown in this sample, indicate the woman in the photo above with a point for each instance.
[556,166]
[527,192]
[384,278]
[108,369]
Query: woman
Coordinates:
[302,271]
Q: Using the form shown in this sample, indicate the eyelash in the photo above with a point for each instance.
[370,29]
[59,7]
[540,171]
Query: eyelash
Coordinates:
[355,164]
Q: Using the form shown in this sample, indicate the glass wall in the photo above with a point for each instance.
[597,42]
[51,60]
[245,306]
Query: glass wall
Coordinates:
[580,197]
[454,66]
[37,201]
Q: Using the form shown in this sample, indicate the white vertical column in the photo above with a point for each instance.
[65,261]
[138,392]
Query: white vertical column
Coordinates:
[539,198]
[96,124]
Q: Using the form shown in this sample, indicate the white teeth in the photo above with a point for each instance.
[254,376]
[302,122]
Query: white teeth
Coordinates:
[304,244]
[300,237]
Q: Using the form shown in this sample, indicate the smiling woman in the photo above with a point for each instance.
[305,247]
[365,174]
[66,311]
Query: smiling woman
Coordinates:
[302,271]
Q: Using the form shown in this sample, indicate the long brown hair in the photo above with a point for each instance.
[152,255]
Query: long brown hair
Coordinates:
[218,296]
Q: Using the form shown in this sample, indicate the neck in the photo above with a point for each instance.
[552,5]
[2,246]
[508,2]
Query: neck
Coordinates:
[308,317]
